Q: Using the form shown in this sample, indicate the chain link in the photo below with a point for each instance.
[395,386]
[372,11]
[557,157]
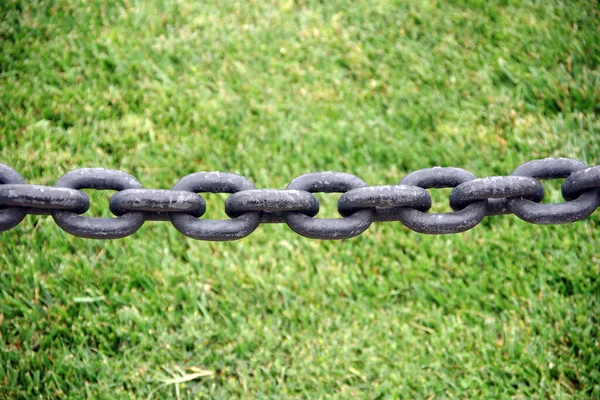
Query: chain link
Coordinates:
[157,205]
[215,230]
[328,228]
[408,202]
[94,227]
[432,223]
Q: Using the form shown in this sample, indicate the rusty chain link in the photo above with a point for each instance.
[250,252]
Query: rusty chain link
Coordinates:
[360,205]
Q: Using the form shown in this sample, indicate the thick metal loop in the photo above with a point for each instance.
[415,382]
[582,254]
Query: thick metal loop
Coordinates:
[93,227]
[271,203]
[581,181]
[216,230]
[385,200]
[10,216]
[157,204]
[496,187]
[454,222]
[43,199]
[328,228]
[561,213]
[548,168]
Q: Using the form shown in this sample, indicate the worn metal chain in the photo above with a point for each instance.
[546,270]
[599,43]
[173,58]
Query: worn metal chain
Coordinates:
[360,205]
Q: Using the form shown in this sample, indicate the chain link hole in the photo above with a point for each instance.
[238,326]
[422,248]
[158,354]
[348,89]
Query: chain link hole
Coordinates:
[552,191]
[99,201]
[439,198]
[215,205]
[328,205]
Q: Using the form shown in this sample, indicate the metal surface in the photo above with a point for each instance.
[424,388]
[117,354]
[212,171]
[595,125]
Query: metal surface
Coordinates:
[157,204]
[386,200]
[433,223]
[472,199]
[328,228]
[94,227]
[10,216]
[40,199]
[215,230]
[573,210]
[579,182]
[496,187]
[271,203]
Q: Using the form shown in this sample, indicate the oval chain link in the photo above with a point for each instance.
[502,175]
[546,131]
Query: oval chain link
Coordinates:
[328,228]
[157,205]
[271,203]
[217,230]
[434,223]
[500,188]
[98,227]
[41,200]
[561,213]
[385,200]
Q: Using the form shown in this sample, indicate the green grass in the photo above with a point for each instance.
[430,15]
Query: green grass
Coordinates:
[272,90]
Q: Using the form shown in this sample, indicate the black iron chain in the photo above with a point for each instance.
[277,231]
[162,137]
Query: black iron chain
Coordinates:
[360,205]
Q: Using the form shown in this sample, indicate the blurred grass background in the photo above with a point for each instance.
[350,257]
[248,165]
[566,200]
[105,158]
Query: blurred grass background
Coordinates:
[271,90]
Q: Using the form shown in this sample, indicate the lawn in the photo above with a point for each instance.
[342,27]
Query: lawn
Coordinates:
[272,90]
